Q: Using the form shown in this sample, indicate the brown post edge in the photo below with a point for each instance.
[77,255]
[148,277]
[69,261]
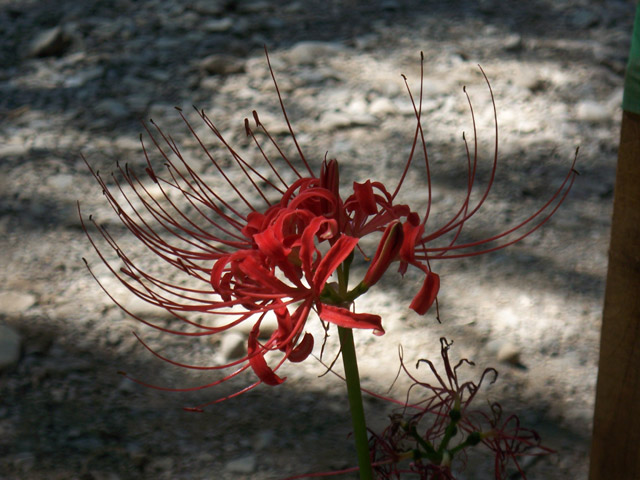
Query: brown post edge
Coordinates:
[615,447]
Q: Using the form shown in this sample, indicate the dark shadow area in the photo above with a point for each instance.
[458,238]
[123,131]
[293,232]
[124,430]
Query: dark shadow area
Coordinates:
[70,415]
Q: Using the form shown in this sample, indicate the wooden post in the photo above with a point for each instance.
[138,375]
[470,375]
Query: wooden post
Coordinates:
[615,447]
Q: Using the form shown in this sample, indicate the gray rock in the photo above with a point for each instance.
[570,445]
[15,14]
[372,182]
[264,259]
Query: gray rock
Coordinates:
[82,77]
[163,464]
[505,352]
[24,461]
[12,303]
[512,43]
[338,120]
[308,52]
[267,327]
[245,464]
[233,346]
[10,346]
[113,108]
[14,150]
[583,18]
[591,111]
[222,64]
[217,25]
[208,7]
[254,6]
[54,41]
[60,182]
[140,308]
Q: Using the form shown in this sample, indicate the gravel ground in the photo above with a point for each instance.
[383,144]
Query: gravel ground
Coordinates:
[77,78]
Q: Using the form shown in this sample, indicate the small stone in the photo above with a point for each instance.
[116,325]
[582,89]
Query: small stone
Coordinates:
[208,7]
[263,439]
[12,303]
[389,5]
[221,64]
[50,42]
[233,346]
[382,106]
[10,346]
[113,108]
[217,25]
[100,475]
[338,120]
[509,353]
[246,464]
[268,325]
[163,464]
[24,461]
[257,6]
[590,111]
[308,52]
[505,352]
[60,182]
[15,150]
[512,43]
[584,18]
[140,308]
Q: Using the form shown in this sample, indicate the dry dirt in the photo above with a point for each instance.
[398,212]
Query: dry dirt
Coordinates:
[532,310]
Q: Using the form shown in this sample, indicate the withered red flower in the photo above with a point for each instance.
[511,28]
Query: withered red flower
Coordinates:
[426,436]
[273,237]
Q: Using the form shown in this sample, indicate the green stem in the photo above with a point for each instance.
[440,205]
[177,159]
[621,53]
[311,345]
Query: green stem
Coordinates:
[355,402]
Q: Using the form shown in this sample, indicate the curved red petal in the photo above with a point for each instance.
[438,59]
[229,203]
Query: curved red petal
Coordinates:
[257,361]
[302,350]
[427,295]
[345,318]
[338,252]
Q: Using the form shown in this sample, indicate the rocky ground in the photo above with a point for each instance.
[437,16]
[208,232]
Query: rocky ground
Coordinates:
[77,78]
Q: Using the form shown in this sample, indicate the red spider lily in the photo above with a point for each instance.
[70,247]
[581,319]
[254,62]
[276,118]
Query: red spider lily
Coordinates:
[423,432]
[273,248]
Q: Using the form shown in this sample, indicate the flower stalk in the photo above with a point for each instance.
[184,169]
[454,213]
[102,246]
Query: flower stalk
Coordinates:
[354,393]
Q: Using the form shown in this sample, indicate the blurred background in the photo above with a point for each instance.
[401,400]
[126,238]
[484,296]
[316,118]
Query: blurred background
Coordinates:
[79,78]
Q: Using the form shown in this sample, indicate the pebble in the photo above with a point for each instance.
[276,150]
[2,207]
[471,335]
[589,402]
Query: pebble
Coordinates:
[113,108]
[10,346]
[61,181]
[53,41]
[208,7]
[164,464]
[221,64]
[505,352]
[339,120]
[12,303]
[591,111]
[583,19]
[267,327]
[245,464]
[218,25]
[382,106]
[232,346]
[308,52]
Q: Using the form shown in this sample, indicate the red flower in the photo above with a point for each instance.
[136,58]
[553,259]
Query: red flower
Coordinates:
[273,248]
